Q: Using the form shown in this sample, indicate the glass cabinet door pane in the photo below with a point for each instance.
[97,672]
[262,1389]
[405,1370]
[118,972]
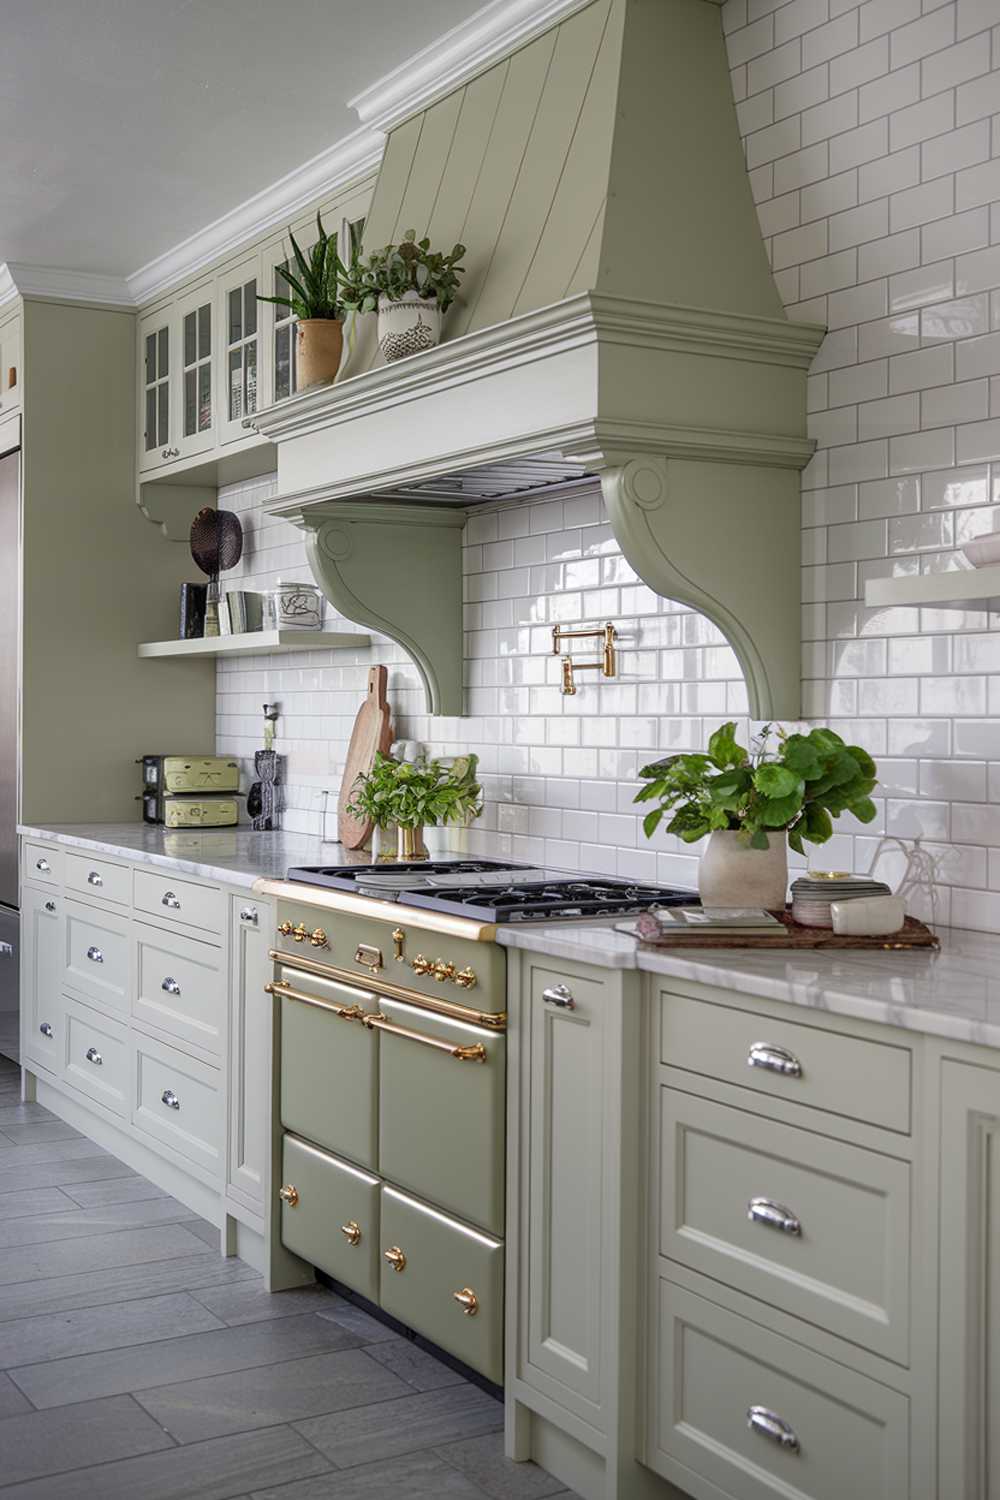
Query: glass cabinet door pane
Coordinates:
[235,316]
[282,363]
[163,363]
[204,397]
[235,384]
[150,358]
[205,331]
[163,412]
[190,403]
[190,342]
[150,434]
[250,307]
[250,365]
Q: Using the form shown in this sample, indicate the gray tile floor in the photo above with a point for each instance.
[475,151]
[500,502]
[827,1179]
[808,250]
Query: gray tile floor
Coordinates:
[136,1362]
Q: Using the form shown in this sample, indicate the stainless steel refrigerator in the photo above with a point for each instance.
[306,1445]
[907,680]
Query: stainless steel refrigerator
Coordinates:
[10,654]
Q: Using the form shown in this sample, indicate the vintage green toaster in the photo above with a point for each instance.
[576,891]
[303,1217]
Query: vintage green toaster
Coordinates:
[186,791]
[192,811]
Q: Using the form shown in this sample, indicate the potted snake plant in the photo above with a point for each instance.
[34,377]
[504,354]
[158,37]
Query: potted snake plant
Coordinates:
[322,289]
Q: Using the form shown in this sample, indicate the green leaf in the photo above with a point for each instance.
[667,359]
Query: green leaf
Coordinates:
[795,838]
[800,754]
[651,821]
[817,827]
[864,760]
[773,780]
[300,260]
[723,749]
[864,810]
[759,840]
[778,812]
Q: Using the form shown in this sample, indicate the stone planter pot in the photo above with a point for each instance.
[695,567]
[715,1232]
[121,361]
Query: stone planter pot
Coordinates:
[730,873]
[319,348]
[409,326]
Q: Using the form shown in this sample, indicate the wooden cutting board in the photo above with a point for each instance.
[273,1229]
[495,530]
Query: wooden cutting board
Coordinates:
[372,732]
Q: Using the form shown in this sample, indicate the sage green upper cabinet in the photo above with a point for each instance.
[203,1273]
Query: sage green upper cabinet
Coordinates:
[155,399]
[243,384]
[193,320]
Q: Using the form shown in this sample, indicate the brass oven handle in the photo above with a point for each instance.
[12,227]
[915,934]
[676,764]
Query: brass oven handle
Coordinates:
[474,1053]
[395,1257]
[467,1301]
[351,1232]
[345,1012]
[465,978]
[289,1195]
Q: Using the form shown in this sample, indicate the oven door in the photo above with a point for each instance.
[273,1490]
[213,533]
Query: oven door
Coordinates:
[441,1110]
[329,1064]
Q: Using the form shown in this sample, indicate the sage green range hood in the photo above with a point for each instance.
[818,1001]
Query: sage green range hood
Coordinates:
[618,323]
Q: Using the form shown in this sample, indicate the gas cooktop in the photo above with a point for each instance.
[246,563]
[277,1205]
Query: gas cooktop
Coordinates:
[497,890]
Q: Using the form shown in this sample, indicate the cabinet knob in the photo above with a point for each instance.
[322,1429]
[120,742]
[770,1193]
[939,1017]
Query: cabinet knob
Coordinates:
[774,1059]
[467,1301]
[46,1029]
[50,906]
[396,1258]
[43,865]
[560,996]
[289,1195]
[95,955]
[249,915]
[93,1056]
[170,986]
[774,1215]
[761,1419]
[169,899]
[351,1232]
[170,1099]
[94,879]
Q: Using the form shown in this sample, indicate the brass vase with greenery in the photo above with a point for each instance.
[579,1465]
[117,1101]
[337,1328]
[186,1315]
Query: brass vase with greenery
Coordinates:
[413,796]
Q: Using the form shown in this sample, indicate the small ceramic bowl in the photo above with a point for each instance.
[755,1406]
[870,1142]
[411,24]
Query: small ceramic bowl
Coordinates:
[984,550]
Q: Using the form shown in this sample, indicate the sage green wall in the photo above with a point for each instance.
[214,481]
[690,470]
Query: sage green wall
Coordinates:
[98,579]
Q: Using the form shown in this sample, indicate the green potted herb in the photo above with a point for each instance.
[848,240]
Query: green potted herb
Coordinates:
[322,289]
[754,803]
[413,796]
[412,287]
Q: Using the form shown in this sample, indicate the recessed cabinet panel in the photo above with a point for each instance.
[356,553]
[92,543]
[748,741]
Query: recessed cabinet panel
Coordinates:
[329,1067]
[180,987]
[41,863]
[330,1215]
[181,902]
[252,925]
[177,1100]
[96,953]
[443,1279]
[98,879]
[41,977]
[810,1225]
[441,1111]
[764,1418]
[95,1057]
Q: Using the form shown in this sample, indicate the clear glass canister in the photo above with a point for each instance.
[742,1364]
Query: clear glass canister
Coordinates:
[297,606]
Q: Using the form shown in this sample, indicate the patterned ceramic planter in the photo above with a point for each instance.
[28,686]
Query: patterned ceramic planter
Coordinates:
[408,326]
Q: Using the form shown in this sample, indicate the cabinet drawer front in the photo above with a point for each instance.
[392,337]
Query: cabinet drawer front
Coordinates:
[424,1091]
[180,986]
[176,1099]
[95,1059]
[180,901]
[828,1239]
[329,1068]
[41,863]
[330,1215]
[96,953]
[861,1079]
[713,1367]
[98,878]
[444,1258]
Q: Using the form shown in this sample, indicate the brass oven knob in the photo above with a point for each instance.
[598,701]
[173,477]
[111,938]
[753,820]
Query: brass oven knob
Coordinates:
[443,971]
[467,1301]
[318,938]
[396,1258]
[289,1195]
[466,979]
[421,965]
[299,933]
[285,928]
[351,1232]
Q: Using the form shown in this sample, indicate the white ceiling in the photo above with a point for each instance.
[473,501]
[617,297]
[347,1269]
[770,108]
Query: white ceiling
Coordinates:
[127,125]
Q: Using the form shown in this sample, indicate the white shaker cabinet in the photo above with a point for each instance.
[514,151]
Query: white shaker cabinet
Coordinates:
[195,394]
[251,935]
[156,403]
[243,384]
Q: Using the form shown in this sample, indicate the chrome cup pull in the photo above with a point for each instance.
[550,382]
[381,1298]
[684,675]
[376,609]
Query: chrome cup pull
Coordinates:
[43,865]
[93,1056]
[95,955]
[170,986]
[46,1029]
[774,1059]
[774,1215]
[761,1419]
[170,1099]
[248,914]
[50,906]
[560,996]
[169,899]
[94,879]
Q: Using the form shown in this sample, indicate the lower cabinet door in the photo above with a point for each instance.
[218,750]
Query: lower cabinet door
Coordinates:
[41,977]
[762,1417]
[329,1066]
[444,1280]
[329,1215]
[95,954]
[177,1100]
[442,1110]
[179,986]
[96,1056]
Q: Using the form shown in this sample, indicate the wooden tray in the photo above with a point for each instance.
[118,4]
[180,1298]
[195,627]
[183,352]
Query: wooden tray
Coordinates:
[912,934]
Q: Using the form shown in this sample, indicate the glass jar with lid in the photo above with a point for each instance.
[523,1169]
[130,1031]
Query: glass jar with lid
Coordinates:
[297,606]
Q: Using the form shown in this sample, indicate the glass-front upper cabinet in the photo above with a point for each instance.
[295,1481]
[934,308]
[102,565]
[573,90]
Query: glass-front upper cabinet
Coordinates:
[155,396]
[193,321]
[284,336]
[242,386]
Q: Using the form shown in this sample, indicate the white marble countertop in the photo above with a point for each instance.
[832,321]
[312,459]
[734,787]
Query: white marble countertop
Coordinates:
[953,993]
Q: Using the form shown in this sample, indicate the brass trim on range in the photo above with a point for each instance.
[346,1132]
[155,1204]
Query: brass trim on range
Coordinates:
[476,1052]
[492,1020]
[370,906]
[287,992]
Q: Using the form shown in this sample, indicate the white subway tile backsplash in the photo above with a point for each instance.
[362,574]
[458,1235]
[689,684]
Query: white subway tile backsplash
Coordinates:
[878,17]
[954,150]
[837,37]
[923,204]
[921,450]
[919,38]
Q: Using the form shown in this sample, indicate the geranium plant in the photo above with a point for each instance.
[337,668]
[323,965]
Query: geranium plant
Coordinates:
[411,266]
[418,795]
[800,784]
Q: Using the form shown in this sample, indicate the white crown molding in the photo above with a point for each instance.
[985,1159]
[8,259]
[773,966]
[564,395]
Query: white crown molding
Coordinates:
[486,37]
[20,280]
[345,160]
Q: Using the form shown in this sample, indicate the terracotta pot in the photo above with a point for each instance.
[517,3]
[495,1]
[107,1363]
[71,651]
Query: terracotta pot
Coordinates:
[730,873]
[318,353]
[409,326]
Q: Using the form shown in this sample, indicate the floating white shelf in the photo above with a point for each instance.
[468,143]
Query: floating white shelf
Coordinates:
[258,643]
[956,588]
